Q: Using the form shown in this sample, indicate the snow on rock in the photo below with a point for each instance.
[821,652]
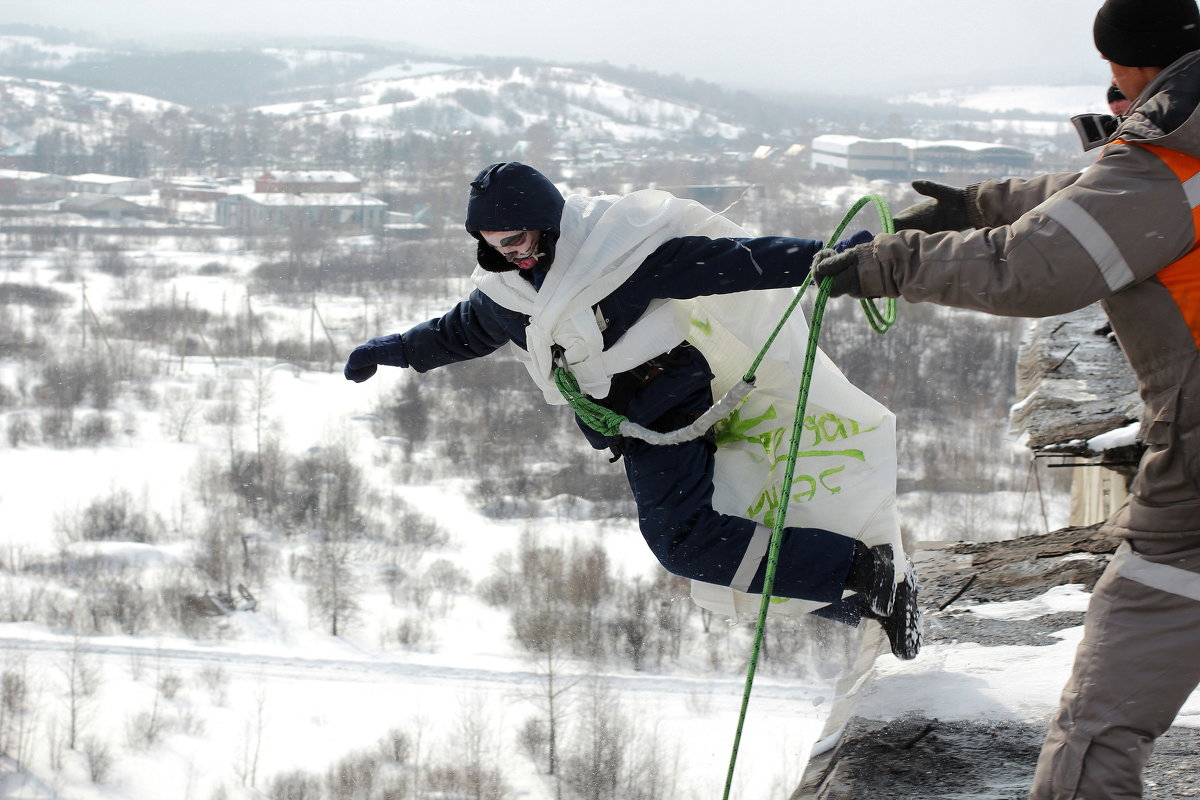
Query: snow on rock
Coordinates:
[1121,437]
[1073,380]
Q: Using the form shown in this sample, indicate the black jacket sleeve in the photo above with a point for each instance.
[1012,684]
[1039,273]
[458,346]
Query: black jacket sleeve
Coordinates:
[472,329]
[696,266]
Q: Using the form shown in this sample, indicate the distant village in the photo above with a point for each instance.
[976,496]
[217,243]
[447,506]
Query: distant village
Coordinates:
[336,200]
[273,201]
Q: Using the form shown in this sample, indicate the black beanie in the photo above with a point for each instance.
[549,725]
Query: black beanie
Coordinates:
[511,196]
[1146,33]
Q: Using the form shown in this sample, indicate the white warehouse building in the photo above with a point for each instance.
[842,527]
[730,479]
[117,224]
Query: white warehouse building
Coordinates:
[906,158]
[860,156]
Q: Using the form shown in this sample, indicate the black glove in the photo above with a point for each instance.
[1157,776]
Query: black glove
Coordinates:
[947,211]
[385,350]
[842,267]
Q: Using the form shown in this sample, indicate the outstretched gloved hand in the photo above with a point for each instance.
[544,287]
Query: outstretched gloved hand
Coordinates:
[387,351]
[946,211]
[842,267]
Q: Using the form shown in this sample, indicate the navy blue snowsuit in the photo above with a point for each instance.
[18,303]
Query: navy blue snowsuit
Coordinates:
[673,484]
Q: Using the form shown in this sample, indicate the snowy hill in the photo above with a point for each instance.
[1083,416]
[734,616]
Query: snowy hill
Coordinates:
[578,105]
[30,107]
[381,89]
[32,52]
[1057,101]
[366,94]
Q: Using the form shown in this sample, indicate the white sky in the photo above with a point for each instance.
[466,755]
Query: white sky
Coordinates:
[810,46]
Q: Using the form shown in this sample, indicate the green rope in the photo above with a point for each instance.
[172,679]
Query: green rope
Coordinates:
[603,420]
[608,423]
[880,322]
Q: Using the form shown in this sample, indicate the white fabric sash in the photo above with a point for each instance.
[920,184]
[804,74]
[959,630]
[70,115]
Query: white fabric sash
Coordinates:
[603,241]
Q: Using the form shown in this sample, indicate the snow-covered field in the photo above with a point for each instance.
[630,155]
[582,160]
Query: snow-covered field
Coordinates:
[269,692]
[300,699]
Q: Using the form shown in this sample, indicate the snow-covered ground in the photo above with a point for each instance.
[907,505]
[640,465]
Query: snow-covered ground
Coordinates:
[270,692]
[302,699]
[974,682]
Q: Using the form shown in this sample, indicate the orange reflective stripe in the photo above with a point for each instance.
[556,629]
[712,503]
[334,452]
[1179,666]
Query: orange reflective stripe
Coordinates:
[1182,278]
[1184,166]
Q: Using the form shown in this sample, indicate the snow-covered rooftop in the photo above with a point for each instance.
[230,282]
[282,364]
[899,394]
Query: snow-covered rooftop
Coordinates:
[310,176]
[96,177]
[323,199]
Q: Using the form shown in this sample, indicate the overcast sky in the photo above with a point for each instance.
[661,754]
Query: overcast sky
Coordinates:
[811,46]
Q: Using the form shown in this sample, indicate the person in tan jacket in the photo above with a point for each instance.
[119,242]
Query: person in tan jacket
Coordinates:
[1125,233]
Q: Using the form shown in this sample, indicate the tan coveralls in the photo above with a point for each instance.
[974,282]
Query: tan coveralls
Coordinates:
[1124,232]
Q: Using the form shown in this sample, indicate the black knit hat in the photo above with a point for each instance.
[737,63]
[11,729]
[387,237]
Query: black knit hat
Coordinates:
[513,197]
[1146,33]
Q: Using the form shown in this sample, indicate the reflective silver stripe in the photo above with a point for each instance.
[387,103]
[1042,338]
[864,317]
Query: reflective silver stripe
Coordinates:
[1089,233]
[1191,187]
[1172,580]
[755,552]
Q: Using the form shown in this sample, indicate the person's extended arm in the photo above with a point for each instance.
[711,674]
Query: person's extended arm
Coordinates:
[988,204]
[993,203]
[469,330]
[1123,220]
[696,266]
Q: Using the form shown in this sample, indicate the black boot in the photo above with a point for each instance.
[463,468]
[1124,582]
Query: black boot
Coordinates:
[873,576]
[904,624]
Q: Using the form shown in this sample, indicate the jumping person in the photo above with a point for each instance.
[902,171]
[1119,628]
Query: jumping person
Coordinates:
[589,278]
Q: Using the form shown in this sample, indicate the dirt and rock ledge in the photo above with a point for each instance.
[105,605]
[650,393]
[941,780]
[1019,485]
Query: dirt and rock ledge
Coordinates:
[917,758]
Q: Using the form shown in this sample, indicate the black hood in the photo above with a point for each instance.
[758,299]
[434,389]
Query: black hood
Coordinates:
[511,196]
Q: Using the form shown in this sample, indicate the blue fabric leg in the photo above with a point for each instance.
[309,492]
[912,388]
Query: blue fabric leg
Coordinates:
[673,488]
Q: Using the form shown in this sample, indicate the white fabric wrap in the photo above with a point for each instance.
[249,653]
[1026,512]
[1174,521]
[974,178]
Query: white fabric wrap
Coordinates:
[603,240]
[845,477]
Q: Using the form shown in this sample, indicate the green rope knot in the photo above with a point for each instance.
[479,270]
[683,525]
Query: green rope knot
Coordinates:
[603,420]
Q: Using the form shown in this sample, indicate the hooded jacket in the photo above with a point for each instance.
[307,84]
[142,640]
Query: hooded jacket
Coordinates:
[510,196]
[516,197]
[1119,233]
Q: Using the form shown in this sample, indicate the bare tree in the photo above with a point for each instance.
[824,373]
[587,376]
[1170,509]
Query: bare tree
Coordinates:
[16,712]
[99,758]
[219,549]
[633,622]
[597,758]
[551,699]
[247,767]
[471,772]
[333,584]
[82,674]
[261,395]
